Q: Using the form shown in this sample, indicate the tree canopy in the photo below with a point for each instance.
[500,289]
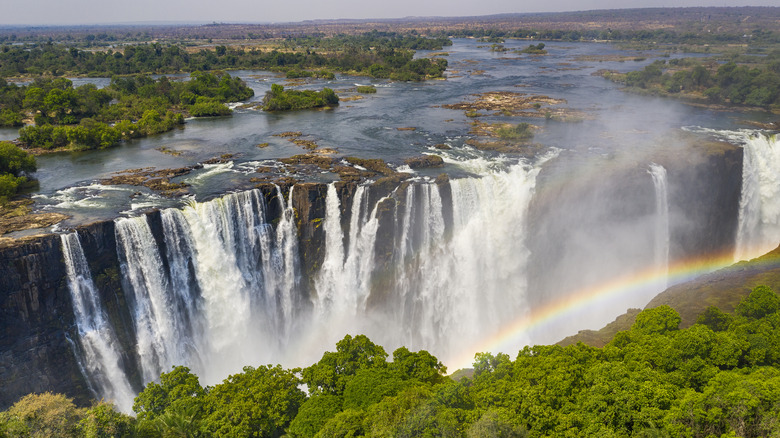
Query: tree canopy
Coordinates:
[718,378]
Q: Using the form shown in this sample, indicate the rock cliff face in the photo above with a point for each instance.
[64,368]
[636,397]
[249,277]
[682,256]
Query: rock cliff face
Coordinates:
[36,323]
[37,328]
[587,225]
[707,193]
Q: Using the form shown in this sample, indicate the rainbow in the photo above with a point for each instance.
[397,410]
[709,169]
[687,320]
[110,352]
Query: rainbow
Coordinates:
[510,338]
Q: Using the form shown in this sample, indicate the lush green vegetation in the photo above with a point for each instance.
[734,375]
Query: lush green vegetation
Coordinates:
[718,378]
[86,117]
[14,164]
[280,100]
[377,54]
[755,84]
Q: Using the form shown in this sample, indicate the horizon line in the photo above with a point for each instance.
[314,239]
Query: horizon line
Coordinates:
[206,22]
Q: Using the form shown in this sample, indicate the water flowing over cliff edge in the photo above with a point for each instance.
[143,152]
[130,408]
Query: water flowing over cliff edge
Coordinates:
[276,273]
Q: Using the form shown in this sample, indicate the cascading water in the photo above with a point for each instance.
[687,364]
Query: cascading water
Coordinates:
[447,288]
[432,265]
[155,316]
[230,277]
[661,249]
[99,354]
[759,210]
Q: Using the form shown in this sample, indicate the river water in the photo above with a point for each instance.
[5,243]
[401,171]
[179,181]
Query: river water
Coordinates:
[618,122]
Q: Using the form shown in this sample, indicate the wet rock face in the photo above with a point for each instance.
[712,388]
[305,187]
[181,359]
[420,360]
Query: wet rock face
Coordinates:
[587,225]
[707,193]
[309,204]
[36,320]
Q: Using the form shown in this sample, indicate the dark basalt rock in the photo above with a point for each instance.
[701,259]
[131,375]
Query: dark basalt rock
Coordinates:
[36,323]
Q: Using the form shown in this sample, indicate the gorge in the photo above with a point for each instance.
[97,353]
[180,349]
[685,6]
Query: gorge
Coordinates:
[448,259]
[271,273]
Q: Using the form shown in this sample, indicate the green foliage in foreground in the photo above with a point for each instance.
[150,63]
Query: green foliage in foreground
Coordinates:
[718,378]
[280,100]
[14,164]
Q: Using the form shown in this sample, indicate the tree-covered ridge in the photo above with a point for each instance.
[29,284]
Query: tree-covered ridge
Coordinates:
[718,378]
[86,117]
[373,54]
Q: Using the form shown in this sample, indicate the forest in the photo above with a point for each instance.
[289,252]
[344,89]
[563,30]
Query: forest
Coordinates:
[373,54]
[753,84]
[86,117]
[717,378]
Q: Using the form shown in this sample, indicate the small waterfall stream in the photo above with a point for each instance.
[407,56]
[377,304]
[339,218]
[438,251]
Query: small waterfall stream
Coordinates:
[661,250]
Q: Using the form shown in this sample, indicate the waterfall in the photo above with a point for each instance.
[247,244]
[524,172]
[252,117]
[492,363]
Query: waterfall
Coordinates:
[220,286]
[99,355]
[759,209]
[445,289]
[225,276]
[661,249]
[155,315]
[333,263]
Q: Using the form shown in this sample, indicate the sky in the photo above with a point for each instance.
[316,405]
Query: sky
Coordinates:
[62,12]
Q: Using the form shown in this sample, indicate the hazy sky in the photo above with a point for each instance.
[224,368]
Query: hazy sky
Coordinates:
[251,11]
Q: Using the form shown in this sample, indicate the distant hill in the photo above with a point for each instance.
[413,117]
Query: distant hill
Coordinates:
[731,20]
[723,289]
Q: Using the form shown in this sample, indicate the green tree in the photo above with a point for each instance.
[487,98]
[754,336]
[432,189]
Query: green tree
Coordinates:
[178,386]
[658,320]
[103,421]
[371,385]
[762,301]
[420,365]
[330,374]
[715,319]
[313,414]
[15,161]
[496,423]
[43,416]
[260,402]
[346,424]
